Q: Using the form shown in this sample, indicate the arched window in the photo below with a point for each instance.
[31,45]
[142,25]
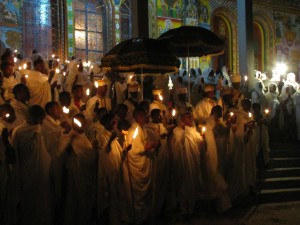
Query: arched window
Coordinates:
[89,18]
[125,15]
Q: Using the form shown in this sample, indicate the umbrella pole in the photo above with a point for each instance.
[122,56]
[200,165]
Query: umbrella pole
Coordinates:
[189,77]
[142,83]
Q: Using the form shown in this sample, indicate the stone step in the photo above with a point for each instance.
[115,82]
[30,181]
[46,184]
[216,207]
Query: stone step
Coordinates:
[280,172]
[279,195]
[279,153]
[283,162]
[280,183]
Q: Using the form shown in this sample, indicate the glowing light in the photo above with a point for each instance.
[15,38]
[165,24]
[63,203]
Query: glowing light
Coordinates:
[58,60]
[92,67]
[26,76]
[77,122]
[24,66]
[7,115]
[16,51]
[96,84]
[160,98]
[281,68]
[250,114]
[173,112]
[203,129]
[267,111]
[77,66]
[88,92]
[53,55]
[57,70]
[15,59]
[65,110]
[231,113]
[20,67]
[135,133]
[64,73]
[246,78]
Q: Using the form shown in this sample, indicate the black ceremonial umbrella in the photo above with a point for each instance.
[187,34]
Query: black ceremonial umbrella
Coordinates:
[191,41]
[141,55]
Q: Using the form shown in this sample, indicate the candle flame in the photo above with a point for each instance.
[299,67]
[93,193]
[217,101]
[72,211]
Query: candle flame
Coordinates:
[7,115]
[20,67]
[96,84]
[160,97]
[58,60]
[26,76]
[267,111]
[65,110]
[231,113]
[250,114]
[135,132]
[15,59]
[203,130]
[88,92]
[25,66]
[77,122]
[92,67]
[246,78]
[173,112]
[53,55]
[64,73]
[16,51]
[57,70]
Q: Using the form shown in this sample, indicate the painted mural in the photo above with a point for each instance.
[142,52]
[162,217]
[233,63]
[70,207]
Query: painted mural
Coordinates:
[10,24]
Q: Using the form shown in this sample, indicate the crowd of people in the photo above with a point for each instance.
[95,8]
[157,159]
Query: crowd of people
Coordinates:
[70,154]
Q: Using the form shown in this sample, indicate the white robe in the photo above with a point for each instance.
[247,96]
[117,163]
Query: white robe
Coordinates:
[8,85]
[160,166]
[203,109]
[131,108]
[32,175]
[20,109]
[186,173]
[81,167]
[39,88]
[90,106]
[109,176]
[140,168]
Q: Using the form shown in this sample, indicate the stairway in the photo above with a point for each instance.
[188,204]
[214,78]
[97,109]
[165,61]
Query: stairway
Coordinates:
[282,182]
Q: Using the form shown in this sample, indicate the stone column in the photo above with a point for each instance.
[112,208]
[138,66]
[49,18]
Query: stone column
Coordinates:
[245,37]
[140,20]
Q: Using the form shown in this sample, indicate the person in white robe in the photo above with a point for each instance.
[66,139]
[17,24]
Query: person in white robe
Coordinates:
[237,94]
[182,106]
[204,106]
[96,128]
[137,171]
[297,111]
[110,168]
[258,95]
[9,80]
[99,100]
[77,105]
[19,103]
[52,132]
[31,170]
[8,118]
[187,147]
[37,83]
[157,103]
[132,101]
[215,160]
[160,165]
[81,170]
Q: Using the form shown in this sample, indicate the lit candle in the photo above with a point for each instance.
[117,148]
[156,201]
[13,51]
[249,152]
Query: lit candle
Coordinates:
[88,92]
[77,122]
[66,61]
[66,110]
[246,78]
[96,84]
[16,51]
[58,60]
[57,70]
[203,129]
[267,111]
[173,113]
[24,66]
[7,115]
[53,55]
[26,76]
[250,114]
[135,134]
[20,67]
[231,114]
[77,66]
[15,59]
[92,67]
[160,98]
[64,73]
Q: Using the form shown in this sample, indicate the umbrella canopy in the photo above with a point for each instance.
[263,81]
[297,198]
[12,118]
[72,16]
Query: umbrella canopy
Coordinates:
[141,55]
[191,41]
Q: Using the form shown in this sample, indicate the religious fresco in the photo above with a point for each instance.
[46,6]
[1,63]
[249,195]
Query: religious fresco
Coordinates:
[287,31]
[10,24]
